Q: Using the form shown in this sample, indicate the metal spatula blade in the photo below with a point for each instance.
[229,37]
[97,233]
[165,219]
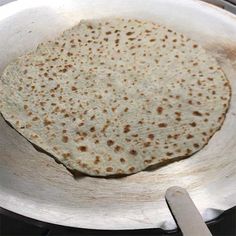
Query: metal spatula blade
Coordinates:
[185,213]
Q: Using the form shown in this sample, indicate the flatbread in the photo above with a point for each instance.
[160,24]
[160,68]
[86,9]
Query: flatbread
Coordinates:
[114,96]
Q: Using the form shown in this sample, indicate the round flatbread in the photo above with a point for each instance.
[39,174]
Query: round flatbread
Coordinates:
[114,96]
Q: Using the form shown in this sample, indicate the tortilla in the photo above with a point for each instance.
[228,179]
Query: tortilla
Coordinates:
[114,96]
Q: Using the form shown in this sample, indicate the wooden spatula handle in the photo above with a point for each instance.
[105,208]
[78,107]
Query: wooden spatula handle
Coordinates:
[185,213]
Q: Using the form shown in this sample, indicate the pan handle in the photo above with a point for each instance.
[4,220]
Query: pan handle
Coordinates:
[185,213]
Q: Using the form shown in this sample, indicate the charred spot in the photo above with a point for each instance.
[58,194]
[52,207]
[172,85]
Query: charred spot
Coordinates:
[35,118]
[159,110]
[92,129]
[117,148]
[92,117]
[73,88]
[162,125]
[197,113]
[133,152]
[188,151]
[147,161]
[147,144]
[47,122]
[82,148]
[81,124]
[109,169]
[219,118]
[169,153]
[189,136]
[175,136]
[131,169]
[63,70]
[110,142]
[97,160]
[66,155]
[193,124]
[199,82]
[65,139]
[151,136]
[196,145]
[129,33]
[126,128]
[84,165]
[89,27]
[113,109]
